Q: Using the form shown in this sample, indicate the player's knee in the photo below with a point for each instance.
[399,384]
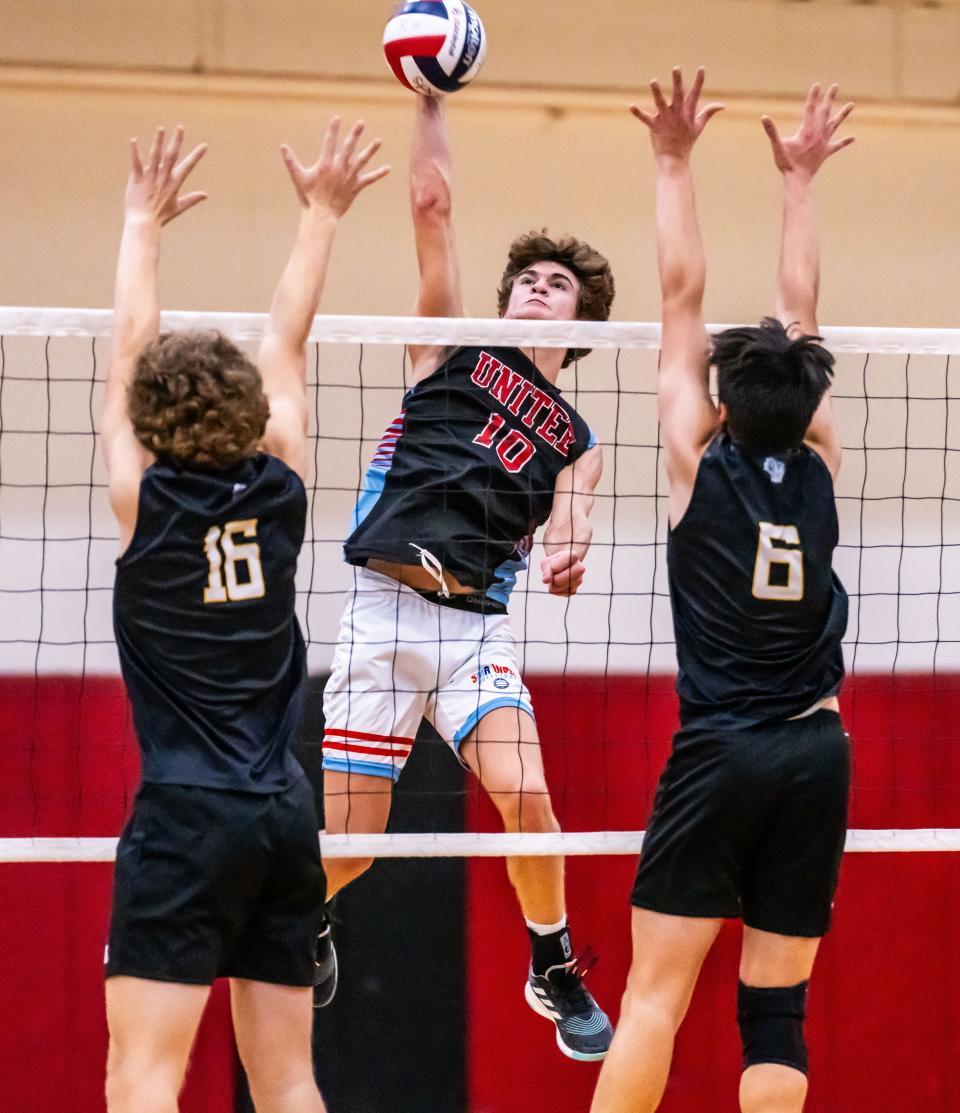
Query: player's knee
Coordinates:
[292,1088]
[771,1025]
[648,1012]
[140,1090]
[526,809]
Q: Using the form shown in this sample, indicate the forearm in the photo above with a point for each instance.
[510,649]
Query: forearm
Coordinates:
[432,208]
[298,292]
[798,280]
[570,533]
[136,302]
[679,245]
[430,161]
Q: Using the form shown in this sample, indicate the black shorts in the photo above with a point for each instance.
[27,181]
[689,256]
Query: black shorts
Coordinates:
[750,824]
[211,883]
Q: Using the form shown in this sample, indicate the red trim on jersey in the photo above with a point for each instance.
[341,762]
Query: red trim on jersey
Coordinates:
[363,737]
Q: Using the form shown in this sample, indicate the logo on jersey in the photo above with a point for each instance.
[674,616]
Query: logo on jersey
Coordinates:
[535,408]
[775,468]
[501,673]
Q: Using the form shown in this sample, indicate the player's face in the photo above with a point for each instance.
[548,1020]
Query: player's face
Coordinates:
[544,292]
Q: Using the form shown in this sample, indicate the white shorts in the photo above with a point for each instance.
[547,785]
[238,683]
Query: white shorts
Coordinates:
[400,659]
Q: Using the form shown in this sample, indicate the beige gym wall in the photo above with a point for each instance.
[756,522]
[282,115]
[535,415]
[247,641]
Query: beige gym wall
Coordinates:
[543,138]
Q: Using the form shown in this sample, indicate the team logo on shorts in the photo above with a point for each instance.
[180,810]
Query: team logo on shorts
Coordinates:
[499,672]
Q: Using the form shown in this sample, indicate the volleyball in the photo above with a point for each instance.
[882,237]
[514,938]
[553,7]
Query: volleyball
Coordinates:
[435,46]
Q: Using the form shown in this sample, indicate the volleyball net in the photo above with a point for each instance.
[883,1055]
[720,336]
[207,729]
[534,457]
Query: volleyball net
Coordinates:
[600,664]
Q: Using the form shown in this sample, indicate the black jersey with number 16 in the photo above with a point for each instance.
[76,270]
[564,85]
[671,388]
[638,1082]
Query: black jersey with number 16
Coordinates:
[210,648]
[758,612]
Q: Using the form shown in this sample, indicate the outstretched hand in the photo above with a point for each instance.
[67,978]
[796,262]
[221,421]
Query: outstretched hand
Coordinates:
[336,178]
[675,127]
[153,187]
[805,151]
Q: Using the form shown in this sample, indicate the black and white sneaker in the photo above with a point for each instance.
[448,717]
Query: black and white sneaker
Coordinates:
[325,969]
[584,1031]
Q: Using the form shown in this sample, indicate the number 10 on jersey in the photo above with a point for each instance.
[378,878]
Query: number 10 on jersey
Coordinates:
[223,556]
[514,450]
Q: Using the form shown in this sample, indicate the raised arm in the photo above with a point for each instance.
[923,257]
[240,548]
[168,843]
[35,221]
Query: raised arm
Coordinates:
[798,158]
[151,200]
[569,531]
[326,191]
[688,417]
[432,205]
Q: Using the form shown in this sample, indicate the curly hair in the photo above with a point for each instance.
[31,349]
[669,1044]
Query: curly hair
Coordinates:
[196,399]
[597,288]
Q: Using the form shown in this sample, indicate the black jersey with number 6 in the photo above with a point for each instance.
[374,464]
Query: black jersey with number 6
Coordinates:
[467,471]
[203,606]
[758,611]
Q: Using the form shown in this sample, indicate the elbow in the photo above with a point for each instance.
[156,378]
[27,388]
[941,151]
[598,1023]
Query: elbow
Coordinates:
[682,292]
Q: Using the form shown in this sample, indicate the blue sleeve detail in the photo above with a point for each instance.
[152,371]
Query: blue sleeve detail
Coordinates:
[373,484]
[484,709]
[369,768]
[592,442]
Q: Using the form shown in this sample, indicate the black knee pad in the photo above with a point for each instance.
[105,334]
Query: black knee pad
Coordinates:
[771,1025]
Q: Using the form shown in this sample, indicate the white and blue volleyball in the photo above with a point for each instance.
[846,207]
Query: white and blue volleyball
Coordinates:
[435,46]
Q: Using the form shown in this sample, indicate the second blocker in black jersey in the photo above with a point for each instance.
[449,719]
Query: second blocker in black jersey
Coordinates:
[467,471]
[210,647]
[758,611]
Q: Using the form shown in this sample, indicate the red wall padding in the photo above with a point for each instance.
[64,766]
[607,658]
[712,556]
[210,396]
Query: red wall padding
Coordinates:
[68,766]
[884,1029]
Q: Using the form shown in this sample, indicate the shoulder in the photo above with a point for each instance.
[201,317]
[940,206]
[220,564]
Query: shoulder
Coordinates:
[427,361]
[270,468]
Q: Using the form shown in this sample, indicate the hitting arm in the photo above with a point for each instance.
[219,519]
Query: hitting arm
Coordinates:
[432,206]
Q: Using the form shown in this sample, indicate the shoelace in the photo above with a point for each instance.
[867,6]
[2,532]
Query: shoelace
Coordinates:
[570,982]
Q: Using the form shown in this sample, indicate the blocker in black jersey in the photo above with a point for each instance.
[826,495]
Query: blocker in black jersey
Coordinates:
[218,869]
[758,611]
[467,471]
[750,813]
[210,646]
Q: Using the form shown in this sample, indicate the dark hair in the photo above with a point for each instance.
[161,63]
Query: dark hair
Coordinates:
[197,399]
[771,383]
[597,288]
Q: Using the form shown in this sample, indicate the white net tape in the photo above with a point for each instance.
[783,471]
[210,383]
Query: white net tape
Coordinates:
[243,327]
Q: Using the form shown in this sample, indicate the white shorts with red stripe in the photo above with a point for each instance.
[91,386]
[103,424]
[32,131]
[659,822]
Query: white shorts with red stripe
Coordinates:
[401,658]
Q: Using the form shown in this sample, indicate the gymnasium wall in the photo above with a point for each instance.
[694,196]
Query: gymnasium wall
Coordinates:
[543,139]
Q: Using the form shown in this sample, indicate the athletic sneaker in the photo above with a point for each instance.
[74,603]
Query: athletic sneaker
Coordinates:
[325,969]
[584,1031]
